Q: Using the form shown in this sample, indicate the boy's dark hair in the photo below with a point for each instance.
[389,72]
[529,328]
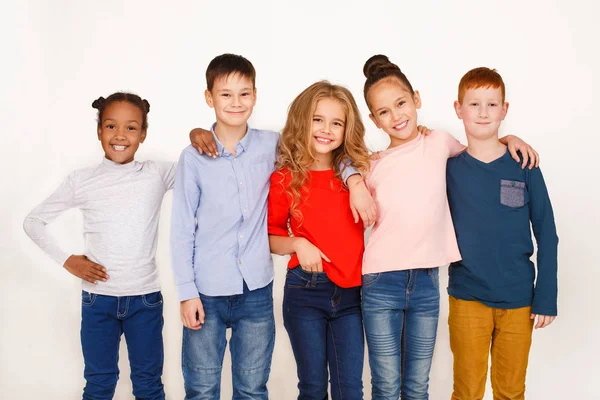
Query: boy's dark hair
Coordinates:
[227,64]
[380,67]
[101,103]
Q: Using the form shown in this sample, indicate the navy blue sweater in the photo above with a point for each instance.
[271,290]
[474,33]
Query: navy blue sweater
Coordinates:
[492,205]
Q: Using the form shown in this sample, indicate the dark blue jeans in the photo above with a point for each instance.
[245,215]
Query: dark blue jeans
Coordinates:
[324,324]
[250,317]
[103,320]
[400,311]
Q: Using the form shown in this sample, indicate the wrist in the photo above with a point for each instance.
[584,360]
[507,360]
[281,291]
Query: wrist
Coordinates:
[354,180]
[297,243]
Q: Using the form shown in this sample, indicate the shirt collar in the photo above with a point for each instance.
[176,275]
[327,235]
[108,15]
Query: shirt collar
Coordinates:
[240,147]
[113,166]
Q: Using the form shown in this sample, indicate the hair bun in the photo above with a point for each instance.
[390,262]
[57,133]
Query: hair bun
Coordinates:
[377,64]
[147,105]
[99,102]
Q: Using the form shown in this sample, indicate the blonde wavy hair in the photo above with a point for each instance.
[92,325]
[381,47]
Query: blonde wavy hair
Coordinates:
[295,150]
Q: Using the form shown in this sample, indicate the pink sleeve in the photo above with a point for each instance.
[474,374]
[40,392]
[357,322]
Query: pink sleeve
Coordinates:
[454,146]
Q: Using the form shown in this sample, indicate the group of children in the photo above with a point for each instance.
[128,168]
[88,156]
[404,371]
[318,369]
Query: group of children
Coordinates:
[241,194]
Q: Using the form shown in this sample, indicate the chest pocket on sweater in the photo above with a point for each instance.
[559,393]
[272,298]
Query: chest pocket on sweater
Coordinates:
[513,193]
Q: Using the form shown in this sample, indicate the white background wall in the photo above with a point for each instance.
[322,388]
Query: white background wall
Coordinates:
[58,56]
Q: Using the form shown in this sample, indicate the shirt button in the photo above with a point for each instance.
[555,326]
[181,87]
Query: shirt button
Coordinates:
[240,261]
[241,236]
[241,183]
[245,211]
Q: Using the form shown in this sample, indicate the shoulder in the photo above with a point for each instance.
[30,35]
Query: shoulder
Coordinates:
[265,135]
[456,162]
[437,135]
[282,175]
[158,166]
[190,155]
[442,138]
[82,174]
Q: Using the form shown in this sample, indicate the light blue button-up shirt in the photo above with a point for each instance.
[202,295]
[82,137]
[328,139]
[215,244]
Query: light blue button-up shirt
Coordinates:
[219,224]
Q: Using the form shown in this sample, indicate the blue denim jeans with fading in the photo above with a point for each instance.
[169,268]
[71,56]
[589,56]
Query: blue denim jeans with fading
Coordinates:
[250,317]
[400,313]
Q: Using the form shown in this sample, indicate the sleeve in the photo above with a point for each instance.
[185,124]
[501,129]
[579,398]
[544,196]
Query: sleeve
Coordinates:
[186,198]
[167,172]
[544,229]
[347,171]
[454,146]
[35,223]
[278,205]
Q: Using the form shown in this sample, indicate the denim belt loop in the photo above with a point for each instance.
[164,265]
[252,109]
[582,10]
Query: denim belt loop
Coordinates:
[313,279]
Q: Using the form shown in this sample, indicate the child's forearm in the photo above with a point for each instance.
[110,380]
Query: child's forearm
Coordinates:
[37,231]
[283,245]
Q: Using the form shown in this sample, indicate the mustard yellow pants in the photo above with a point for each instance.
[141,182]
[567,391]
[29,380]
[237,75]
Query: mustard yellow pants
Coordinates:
[475,330]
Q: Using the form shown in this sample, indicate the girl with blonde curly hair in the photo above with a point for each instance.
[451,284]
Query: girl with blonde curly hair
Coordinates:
[309,217]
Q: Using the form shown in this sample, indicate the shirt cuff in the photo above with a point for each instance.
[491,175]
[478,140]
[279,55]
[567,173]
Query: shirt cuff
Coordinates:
[187,291]
[348,172]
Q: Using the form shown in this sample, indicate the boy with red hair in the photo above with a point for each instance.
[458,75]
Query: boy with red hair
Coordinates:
[494,294]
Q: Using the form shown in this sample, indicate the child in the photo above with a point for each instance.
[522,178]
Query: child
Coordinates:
[219,240]
[321,305]
[120,200]
[492,293]
[412,236]
[221,260]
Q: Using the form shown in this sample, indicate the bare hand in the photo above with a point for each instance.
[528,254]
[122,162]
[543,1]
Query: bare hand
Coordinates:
[529,154]
[82,267]
[309,256]
[374,156]
[361,201]
[192,313]
[542,320]
[204,142]
[423,130]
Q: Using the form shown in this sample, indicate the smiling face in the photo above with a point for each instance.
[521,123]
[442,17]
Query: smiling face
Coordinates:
[482,110]
[120,131]
[328,127]
[394,109]
[233,97]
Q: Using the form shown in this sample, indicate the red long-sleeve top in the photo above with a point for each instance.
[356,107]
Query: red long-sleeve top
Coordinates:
[327,223]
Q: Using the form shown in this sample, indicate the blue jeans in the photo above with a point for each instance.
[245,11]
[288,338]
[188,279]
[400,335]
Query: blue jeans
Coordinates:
[324,324]
[400,311]
[250,317]
[103,320]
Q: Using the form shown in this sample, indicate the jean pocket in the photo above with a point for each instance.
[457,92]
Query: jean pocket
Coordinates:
[152,299]
[434,273]
[370,279]
[513,194]
[87,298]
[294,280]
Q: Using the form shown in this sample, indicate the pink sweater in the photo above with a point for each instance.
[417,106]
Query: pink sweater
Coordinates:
[413,227]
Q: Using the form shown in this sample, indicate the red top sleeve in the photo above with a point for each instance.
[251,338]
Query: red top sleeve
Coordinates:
[279,204]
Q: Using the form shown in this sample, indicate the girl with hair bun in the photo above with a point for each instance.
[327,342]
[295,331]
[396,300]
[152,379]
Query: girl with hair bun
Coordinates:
[120,200]
[412,237]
